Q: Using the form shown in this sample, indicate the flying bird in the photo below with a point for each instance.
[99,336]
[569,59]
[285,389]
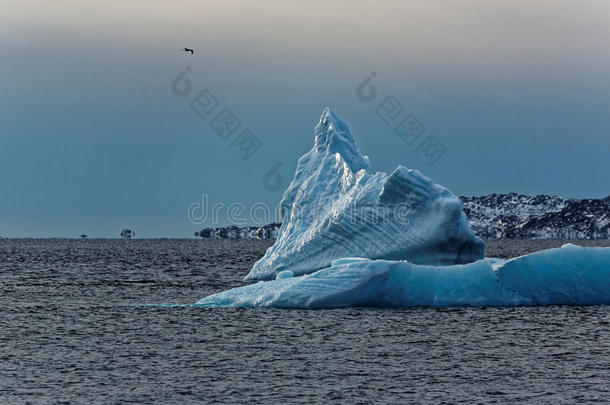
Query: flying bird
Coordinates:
[188,50]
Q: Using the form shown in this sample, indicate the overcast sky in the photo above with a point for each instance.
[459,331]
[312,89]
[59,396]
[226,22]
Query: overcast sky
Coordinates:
[93,139]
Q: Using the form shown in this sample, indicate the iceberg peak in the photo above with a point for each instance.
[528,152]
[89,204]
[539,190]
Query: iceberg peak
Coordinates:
[333,136]
[335,208]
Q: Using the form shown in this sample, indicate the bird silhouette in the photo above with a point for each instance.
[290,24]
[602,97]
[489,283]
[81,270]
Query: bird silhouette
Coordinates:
[188,50]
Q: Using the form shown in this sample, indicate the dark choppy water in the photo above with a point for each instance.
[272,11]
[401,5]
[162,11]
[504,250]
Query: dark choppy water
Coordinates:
[73,329]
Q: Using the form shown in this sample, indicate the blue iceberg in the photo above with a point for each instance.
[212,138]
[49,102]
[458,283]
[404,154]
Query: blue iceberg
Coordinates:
[353,238]
[336,207]
[570,275]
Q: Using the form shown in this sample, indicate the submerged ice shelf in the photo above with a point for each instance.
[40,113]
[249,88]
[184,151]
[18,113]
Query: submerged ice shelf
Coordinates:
[335,207]
[570,275]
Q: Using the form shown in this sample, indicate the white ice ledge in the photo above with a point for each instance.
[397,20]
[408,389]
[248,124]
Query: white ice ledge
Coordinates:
[570,275]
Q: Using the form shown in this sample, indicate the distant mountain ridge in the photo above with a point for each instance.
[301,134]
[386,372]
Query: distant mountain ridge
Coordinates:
[518,216]
[268,231]
[497,216]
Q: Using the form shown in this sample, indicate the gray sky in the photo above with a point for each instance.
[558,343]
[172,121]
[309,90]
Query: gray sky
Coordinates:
[92,138]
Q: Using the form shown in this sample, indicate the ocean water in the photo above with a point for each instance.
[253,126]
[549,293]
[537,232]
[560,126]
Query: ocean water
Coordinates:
[76,327]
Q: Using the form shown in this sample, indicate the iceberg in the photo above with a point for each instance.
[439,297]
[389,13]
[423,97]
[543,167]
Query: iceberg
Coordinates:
[569,275]
[335,208]
[352,238]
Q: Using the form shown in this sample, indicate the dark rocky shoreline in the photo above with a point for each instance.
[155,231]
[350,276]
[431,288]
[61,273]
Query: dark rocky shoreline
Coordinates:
[497,216]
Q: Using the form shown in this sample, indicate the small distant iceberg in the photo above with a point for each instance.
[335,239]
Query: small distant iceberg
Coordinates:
[570,275]
[335,207]
[351,238]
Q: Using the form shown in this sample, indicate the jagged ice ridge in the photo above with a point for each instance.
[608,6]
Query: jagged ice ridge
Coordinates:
[335,207]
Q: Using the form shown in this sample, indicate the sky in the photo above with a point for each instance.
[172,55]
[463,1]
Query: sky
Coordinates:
[94,137]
